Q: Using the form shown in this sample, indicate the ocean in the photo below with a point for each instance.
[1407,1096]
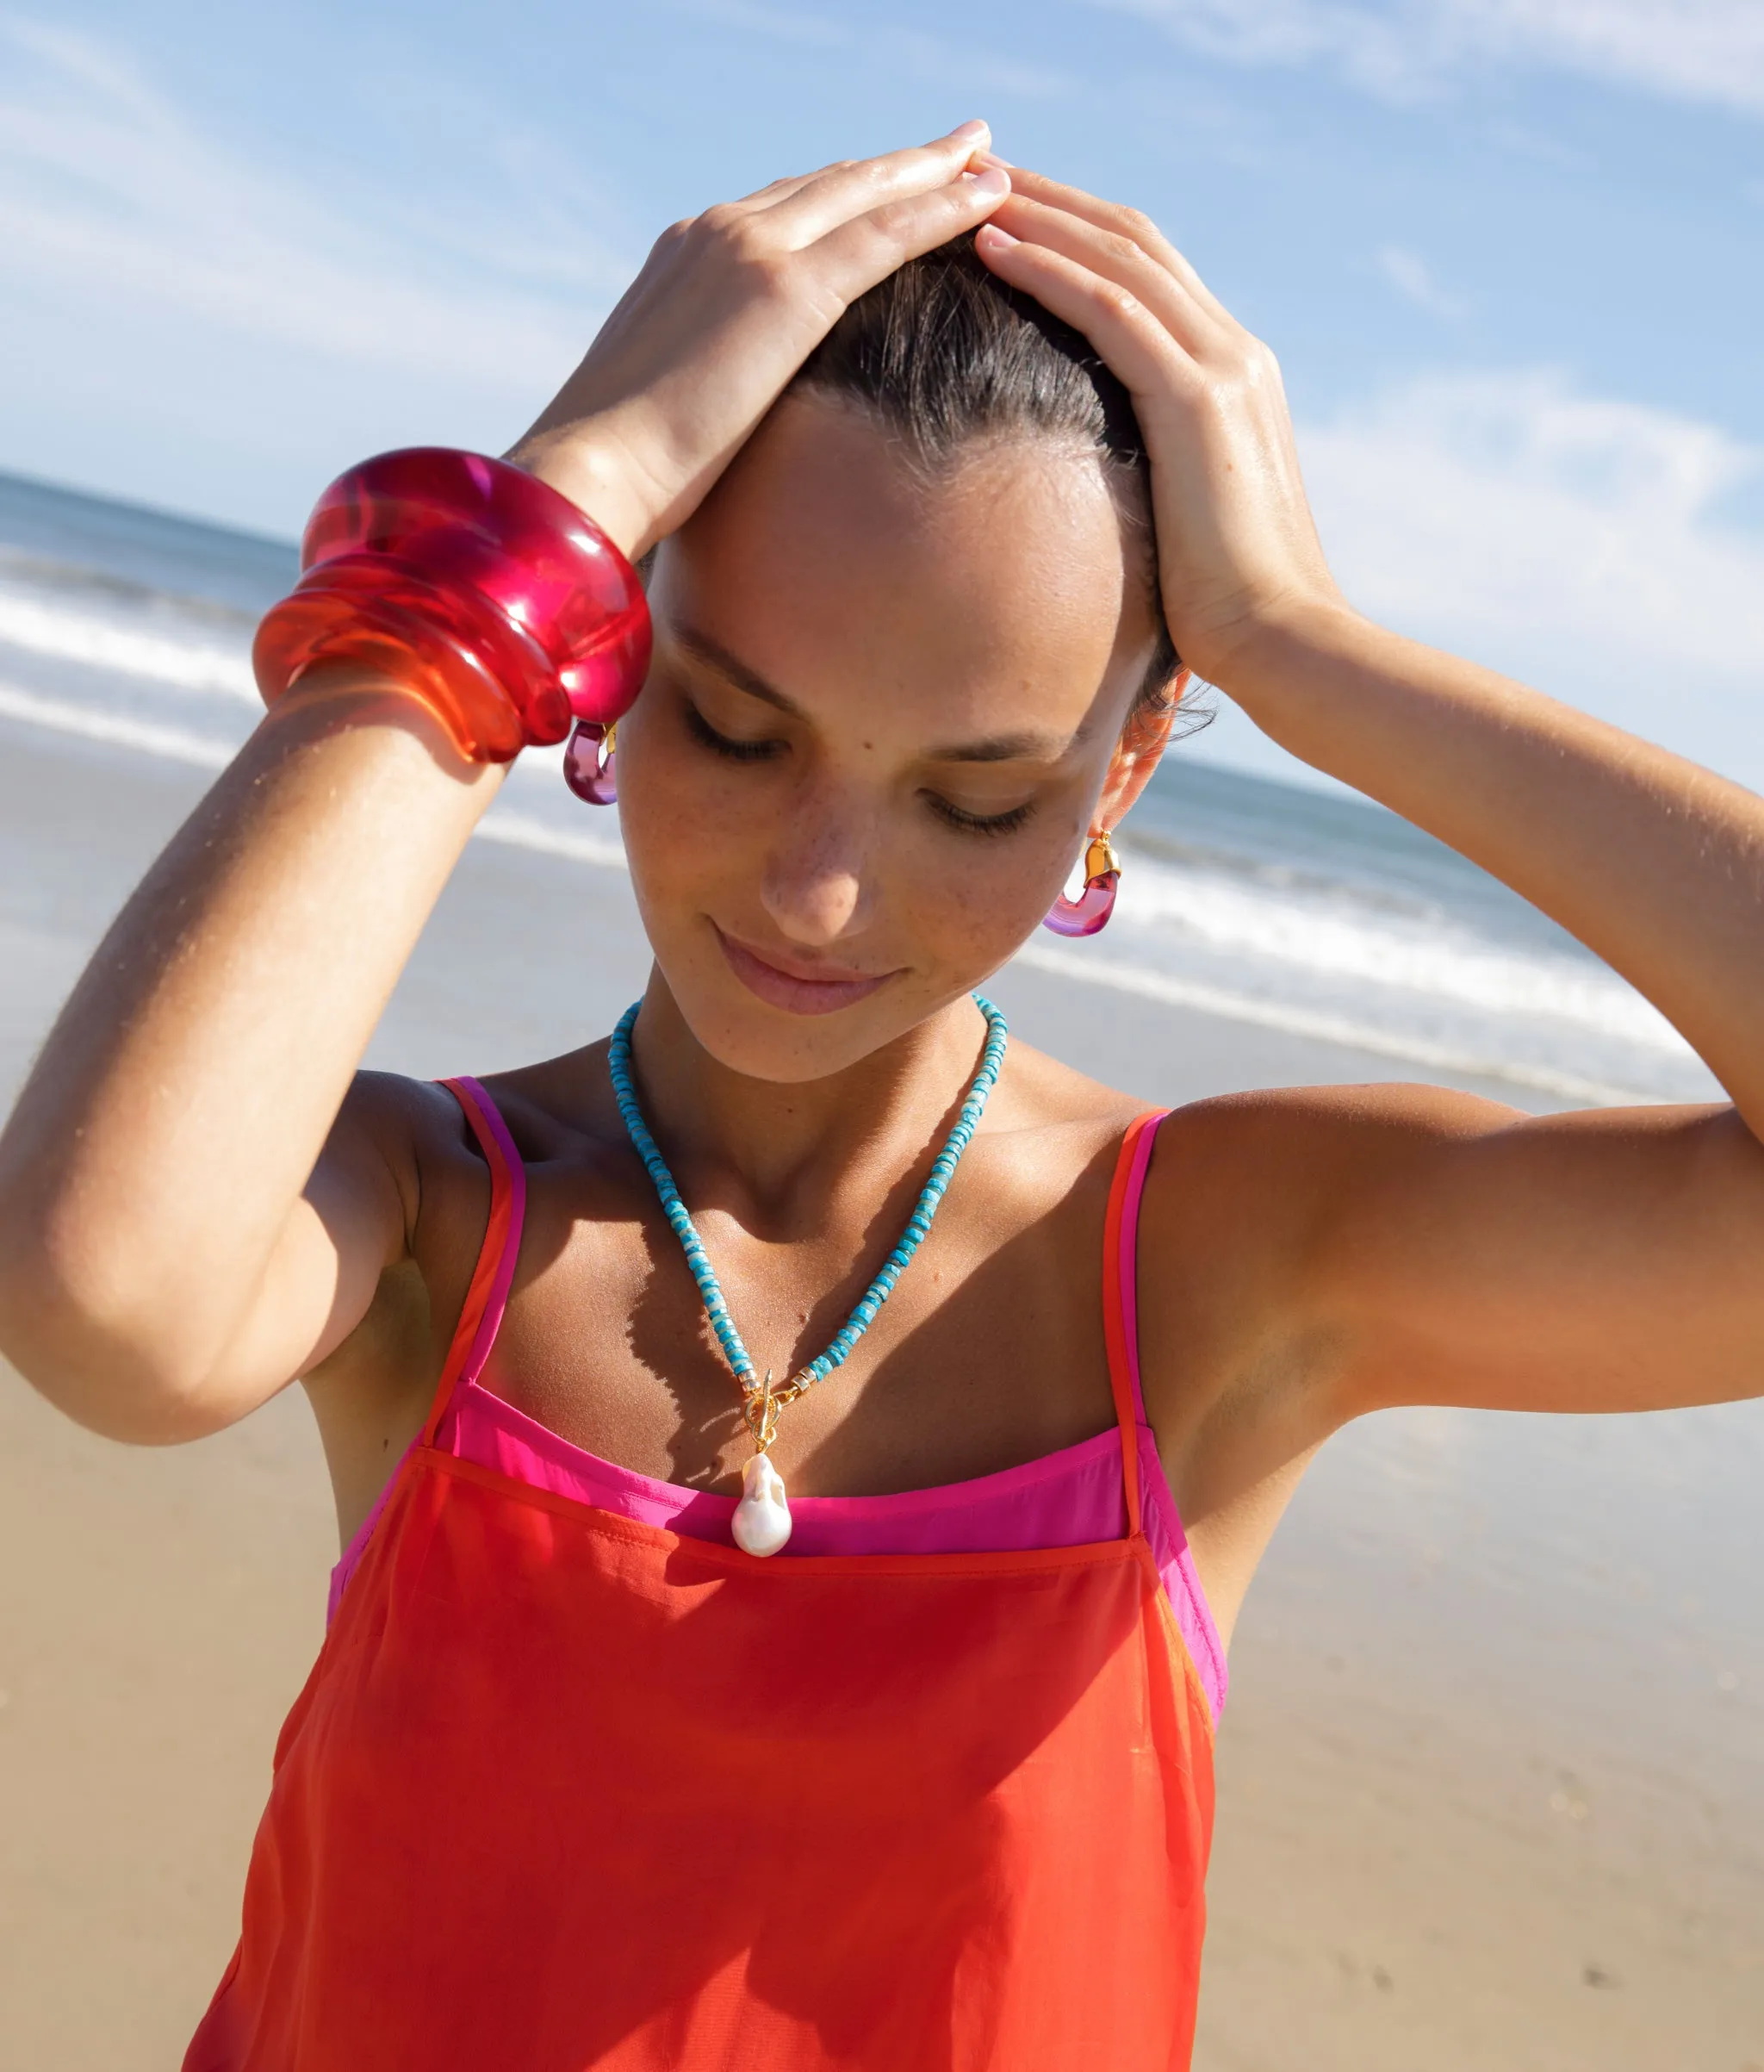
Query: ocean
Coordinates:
[1276,904]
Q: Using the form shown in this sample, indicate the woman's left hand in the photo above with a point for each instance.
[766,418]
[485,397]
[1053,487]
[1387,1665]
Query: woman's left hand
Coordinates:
[1238,549]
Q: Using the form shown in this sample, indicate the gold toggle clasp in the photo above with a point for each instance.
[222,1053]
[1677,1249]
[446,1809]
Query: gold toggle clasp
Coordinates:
[762,1404]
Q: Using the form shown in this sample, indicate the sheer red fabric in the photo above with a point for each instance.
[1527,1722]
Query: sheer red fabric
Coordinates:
[565,1790]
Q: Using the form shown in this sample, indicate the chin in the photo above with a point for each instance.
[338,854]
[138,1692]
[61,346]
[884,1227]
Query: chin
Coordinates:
[747,1034]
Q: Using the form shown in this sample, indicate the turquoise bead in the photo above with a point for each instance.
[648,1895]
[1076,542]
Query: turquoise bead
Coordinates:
[943,1171]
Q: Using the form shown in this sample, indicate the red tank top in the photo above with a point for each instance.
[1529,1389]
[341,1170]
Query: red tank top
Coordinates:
[565,1790]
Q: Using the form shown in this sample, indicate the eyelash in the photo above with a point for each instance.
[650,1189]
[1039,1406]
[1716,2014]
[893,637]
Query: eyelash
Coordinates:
[760,752]
[719,744]
[977,824]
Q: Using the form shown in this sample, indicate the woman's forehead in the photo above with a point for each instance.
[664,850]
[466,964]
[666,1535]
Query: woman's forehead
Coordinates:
[831,568]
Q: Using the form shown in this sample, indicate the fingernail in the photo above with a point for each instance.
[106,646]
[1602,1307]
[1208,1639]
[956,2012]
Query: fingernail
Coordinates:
[976,128]
[989,233]
[990,157]
[993,181]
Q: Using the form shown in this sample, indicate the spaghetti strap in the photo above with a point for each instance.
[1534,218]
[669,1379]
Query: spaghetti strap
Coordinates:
[486,1298]
[1120,1313]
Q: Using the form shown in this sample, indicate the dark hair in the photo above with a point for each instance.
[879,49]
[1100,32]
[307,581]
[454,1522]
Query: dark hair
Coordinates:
[942,354]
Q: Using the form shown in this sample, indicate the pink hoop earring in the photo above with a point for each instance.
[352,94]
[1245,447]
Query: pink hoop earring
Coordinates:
[1089,912]
[587,762]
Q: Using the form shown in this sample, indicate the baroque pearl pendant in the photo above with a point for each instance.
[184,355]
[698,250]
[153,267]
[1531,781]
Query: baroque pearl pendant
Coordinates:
[761,1522]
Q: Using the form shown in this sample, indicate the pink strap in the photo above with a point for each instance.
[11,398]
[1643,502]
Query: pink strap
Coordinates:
[1118,1319]
[484,1112]
[486,1300]
[481,1313]
[1126,1255]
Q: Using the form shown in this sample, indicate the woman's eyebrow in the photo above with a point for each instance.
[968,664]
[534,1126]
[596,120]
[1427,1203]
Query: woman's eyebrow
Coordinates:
[713,654]
[1030,746]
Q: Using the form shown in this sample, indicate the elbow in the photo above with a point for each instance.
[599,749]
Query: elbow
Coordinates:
[101,1354]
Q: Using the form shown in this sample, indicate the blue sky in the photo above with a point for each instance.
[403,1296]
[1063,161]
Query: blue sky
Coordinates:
[1511,253]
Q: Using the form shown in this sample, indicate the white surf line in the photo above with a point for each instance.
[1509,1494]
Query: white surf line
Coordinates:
[501,824]
[1321,1028]
[521,830]
[516,830]
[169,743]
[72,637]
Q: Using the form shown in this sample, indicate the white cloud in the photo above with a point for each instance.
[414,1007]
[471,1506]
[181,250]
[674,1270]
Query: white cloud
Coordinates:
[1574,541]
[1708,51]
[1412,278]
[106,187]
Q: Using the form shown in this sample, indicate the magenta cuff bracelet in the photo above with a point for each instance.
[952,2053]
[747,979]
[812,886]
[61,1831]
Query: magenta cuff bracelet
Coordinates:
[477,587]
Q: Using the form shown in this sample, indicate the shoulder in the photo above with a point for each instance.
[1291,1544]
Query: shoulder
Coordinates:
[1250,1196]
[416,1127]
[1249,1183]
[421,1134]
[1285,1149]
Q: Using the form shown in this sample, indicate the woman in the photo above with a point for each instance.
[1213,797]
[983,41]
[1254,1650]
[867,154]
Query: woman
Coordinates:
[577,1779]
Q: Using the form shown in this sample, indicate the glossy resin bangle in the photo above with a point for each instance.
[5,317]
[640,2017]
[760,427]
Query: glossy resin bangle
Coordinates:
[474,587]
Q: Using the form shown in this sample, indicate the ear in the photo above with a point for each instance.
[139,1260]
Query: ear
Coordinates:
[1137,754]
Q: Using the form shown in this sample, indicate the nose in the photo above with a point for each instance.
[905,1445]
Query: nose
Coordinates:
[816,887]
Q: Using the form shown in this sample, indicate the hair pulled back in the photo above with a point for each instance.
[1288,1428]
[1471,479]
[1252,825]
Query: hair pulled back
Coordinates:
[944,355]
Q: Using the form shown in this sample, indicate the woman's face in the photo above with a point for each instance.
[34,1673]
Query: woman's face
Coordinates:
[872,739]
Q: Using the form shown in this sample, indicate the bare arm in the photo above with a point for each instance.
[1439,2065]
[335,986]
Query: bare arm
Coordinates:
[1462,1254]
[175,1245]
[193,1208]
[1406,1246]
[1654,863]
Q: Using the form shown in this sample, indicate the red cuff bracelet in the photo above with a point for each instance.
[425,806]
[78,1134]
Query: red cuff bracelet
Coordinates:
[473,586]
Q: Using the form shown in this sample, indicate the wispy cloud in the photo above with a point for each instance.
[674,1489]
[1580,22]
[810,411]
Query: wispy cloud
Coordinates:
[107,185]
[1707,51]
[1575,540]
[1412,278]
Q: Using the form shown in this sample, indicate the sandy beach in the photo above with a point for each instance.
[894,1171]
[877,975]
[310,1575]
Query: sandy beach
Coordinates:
[1491,1773]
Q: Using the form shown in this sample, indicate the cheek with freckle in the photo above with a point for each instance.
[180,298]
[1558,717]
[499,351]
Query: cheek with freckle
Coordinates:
[973,900]
[690,836]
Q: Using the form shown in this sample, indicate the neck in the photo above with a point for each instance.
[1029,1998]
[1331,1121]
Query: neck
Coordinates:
[777,1155]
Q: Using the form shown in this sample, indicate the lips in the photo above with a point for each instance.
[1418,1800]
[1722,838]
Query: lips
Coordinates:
[794,985]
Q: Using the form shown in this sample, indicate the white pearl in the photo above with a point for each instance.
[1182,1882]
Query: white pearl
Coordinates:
[761,1523]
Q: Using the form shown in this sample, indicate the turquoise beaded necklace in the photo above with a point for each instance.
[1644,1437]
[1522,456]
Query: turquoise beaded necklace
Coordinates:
[762,1517]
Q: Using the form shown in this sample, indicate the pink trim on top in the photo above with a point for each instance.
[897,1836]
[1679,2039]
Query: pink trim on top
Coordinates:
[497,1301]
[1071,1497]
[1068,1498]
[1163,1522]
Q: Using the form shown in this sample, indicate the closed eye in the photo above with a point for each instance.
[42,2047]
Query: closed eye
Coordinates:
[720,744]
[979,824]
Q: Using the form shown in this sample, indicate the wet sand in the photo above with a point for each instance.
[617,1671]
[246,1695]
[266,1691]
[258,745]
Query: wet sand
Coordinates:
[1492,1777]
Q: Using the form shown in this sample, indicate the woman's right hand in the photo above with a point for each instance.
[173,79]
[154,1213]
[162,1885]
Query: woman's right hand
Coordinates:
[727,307]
